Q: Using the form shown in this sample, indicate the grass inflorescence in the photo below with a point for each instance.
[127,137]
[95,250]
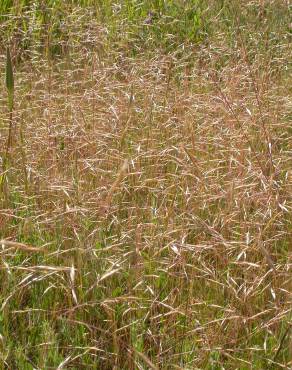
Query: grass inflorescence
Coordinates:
[146,218]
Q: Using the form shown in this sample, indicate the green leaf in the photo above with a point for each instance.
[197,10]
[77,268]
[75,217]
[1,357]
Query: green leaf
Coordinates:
[9,79]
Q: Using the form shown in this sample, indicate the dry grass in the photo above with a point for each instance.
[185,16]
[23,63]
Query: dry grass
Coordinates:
[159,187]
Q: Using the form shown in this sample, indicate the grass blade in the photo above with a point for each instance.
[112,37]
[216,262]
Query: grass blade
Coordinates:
[9,79]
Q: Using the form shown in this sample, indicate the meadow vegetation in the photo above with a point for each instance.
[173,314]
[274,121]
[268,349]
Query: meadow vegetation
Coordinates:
[146,184]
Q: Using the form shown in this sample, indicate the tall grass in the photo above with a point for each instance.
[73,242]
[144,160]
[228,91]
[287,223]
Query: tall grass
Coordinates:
[149,216]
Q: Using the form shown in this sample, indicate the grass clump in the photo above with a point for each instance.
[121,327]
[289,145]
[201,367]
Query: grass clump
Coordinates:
[147,220]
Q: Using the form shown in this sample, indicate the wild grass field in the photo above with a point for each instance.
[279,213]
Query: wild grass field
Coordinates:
[146,184]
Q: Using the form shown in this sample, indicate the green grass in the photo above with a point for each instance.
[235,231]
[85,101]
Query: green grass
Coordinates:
[144,222]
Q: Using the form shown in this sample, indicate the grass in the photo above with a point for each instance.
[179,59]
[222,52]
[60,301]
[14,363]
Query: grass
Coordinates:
[146,217]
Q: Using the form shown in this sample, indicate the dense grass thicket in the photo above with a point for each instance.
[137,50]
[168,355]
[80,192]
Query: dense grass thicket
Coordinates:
[145,184]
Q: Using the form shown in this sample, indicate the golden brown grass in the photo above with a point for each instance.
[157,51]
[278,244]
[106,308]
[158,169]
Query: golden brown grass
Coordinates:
[159,187]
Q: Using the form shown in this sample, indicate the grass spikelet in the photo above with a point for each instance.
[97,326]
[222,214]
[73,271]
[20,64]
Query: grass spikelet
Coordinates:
[21,246]
[120,176]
